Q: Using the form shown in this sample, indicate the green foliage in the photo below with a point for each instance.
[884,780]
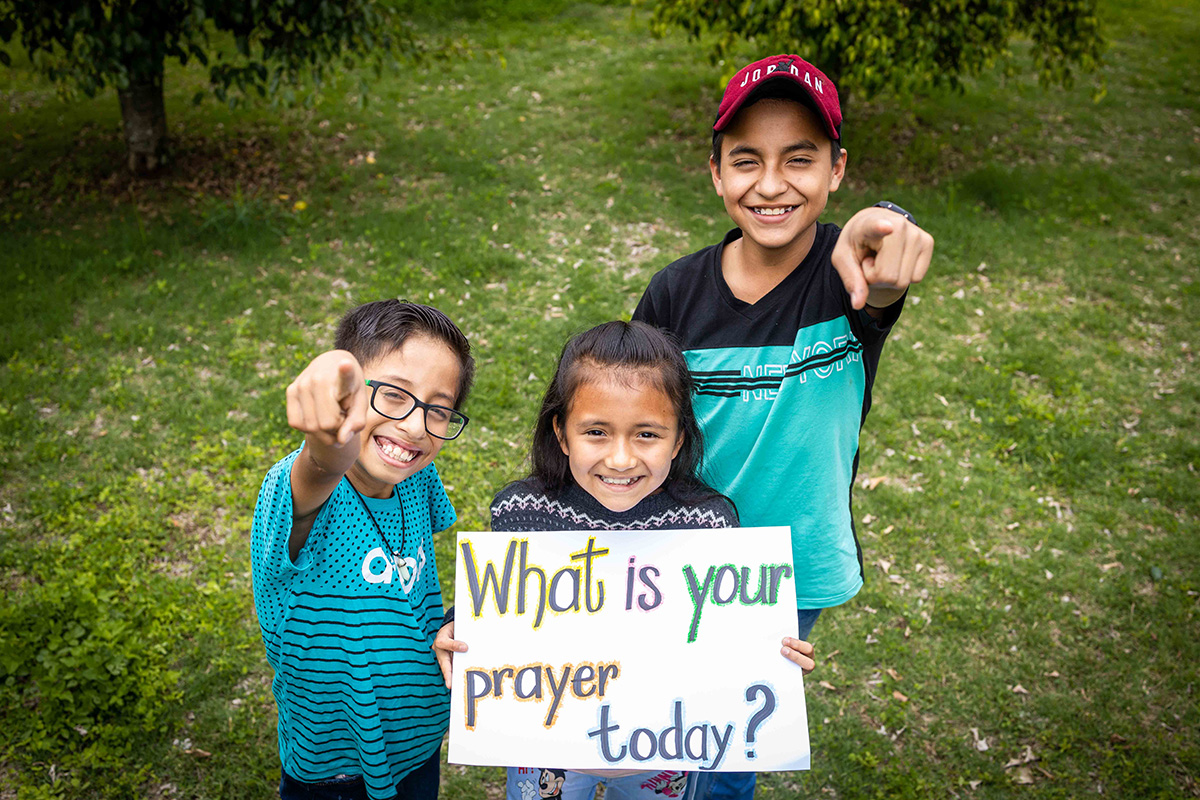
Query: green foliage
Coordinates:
[84,655]
[868,46]
[91,636]
[89,644]
[89,45]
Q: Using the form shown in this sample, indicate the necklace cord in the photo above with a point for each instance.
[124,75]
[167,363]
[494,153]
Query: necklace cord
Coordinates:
[393,557]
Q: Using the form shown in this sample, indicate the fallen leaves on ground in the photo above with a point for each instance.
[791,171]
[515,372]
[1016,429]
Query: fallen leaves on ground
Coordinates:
[1026,757]
[1023,776]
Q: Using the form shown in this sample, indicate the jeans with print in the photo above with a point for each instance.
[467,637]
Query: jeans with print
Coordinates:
[740,785]
[561,784]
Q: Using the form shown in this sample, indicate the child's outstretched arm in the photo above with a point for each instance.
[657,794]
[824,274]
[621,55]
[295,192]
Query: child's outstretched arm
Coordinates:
[879,254]
[328,403]
[444,647]
[799,652]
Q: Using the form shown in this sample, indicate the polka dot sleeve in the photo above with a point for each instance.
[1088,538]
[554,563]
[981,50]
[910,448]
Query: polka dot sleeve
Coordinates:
[272,525]
[441,513]
[271,564]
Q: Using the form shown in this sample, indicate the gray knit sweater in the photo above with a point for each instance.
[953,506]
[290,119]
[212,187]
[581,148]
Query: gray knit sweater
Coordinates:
[524,506]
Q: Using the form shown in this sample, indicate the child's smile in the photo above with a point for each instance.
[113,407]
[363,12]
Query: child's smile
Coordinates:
[772,211]
[398,453]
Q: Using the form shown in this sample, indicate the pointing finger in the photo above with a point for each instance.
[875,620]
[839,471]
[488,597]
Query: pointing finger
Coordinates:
[848,265]
[356,419]
[348,380]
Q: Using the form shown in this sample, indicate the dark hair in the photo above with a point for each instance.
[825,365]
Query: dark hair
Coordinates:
[640,352]
[777,90]
[375,329]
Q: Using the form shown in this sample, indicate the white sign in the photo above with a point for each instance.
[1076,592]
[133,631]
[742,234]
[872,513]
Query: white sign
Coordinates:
[627,650]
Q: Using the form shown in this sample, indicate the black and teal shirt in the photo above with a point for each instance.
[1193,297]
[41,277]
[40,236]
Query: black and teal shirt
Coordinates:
[782,389]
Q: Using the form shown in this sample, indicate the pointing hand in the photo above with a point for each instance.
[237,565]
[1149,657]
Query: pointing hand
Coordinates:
[879,255]
[329,399]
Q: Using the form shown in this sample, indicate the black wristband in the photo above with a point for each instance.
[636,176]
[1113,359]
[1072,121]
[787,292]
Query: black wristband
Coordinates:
[893,207]
[448,617]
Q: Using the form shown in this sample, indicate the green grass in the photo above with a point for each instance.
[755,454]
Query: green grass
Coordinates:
[1028,495]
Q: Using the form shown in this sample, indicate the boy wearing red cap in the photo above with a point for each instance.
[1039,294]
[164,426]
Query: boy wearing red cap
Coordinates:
[782,323]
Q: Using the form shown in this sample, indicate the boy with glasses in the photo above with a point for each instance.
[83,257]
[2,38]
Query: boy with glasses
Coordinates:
[345,583]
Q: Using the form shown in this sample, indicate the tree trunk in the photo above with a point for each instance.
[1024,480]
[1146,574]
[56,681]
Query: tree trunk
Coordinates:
[145,121]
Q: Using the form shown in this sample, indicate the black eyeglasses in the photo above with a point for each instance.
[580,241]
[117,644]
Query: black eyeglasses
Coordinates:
[396,403]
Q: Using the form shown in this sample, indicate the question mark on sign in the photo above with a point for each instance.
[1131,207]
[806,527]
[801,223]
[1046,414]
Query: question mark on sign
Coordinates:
[767,710]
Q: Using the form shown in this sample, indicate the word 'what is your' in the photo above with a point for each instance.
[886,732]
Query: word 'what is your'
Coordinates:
[575,587]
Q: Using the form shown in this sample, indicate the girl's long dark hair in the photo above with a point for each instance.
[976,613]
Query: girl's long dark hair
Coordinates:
[631,352]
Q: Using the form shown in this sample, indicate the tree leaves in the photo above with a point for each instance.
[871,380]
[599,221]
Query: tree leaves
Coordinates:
[867,47]
[278,43]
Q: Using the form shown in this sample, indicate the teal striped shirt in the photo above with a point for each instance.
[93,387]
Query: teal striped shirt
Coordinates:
[358,688]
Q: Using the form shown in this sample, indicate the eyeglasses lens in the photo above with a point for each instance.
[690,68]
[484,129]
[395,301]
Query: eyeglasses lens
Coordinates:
[442,422]
[393,402]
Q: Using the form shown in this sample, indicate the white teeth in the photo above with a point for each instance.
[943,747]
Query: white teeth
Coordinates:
[773,212]
[617,481]
[398,453]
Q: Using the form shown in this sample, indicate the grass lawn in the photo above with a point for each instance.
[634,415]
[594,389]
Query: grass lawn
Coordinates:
[1027,495]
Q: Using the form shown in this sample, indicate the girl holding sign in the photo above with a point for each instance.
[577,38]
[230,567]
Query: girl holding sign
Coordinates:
[616,447]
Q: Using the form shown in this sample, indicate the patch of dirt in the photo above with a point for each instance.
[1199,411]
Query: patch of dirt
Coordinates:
[250,161]
[8,782]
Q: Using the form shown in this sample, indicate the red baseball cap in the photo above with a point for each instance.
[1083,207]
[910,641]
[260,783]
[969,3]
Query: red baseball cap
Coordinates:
[811,86]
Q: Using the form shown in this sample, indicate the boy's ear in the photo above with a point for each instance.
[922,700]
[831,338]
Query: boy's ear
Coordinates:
[562,441]
[715,169]
[839,172]
[678,445]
